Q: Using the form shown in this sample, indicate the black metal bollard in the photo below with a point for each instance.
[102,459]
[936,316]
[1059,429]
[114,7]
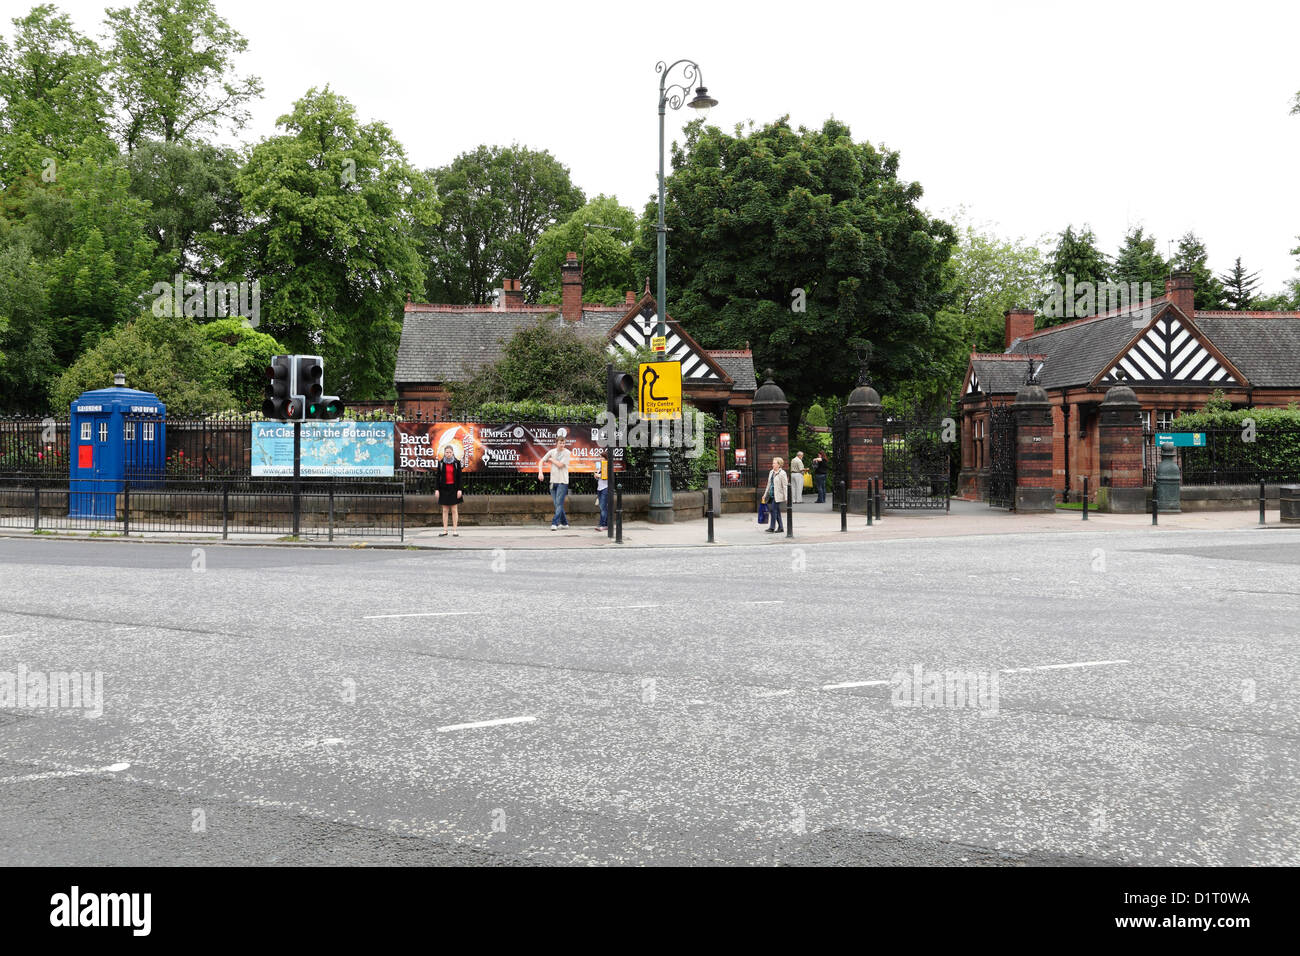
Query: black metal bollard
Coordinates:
[789,509]
[1261,501]
[331,506]
[1155,508]
[618,514]
[871,500]
[710,516]
[880,497]
[1085,497]
[844,508]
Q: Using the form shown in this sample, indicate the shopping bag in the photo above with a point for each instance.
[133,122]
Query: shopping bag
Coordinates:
[762,513]
[807,480]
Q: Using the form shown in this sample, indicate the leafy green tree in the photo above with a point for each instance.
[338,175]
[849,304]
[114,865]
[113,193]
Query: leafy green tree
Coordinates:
[1139,261]
[165,355]
[190,189]
[989,275]
[601,232]
[27,362]
[99,264]
[496,203]
[173,71]
[333,206]
[243,355]
[1239,287]
[1075,260]
[52,98]
[806,245]
[1192,257]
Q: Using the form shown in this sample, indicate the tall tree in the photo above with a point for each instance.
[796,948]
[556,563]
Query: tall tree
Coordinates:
[1239,287]
[1140,261]
[1192,257]
[1075,260]
[190,189]
[806,245]
[601,232]
[174,73]
[496,203]
[333,205]
[989,276]
[51,94]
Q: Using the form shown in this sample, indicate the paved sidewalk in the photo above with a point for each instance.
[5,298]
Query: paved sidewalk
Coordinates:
[812,524]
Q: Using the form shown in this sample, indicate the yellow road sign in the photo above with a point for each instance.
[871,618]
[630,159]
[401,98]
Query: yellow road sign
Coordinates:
[659,387]
[659,343]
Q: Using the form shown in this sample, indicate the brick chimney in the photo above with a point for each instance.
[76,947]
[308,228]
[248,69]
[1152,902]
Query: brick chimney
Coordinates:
[512,293]
[1019,323]
[1180,289]
[629,297]
[571,288]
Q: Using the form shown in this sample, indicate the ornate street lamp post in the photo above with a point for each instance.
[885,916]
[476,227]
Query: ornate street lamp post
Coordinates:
[670,94]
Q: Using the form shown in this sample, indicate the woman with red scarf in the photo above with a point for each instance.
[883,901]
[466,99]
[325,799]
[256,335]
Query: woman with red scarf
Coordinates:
[450,492]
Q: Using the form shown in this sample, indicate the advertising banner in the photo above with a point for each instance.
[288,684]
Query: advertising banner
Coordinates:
[335,449]
[498,448]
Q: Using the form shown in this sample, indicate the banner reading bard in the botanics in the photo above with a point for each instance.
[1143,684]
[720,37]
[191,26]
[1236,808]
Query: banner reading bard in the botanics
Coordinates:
[484,448]
[329,450]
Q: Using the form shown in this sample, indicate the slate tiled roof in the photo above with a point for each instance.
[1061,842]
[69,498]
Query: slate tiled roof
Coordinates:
[441,344]
[999,375]
[739,365]
[1266,350]
[1076,352]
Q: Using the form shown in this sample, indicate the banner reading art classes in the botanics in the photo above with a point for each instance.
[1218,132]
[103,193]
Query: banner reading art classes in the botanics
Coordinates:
[335,449]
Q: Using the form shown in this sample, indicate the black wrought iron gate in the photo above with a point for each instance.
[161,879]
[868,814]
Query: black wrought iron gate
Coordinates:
[917,464]
[1000,490]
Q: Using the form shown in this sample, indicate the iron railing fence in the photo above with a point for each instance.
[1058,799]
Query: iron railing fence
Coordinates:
[219,447]
[215,506]
[1230,456]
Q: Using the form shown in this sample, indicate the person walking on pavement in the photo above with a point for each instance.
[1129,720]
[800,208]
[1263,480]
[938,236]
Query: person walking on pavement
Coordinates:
[559,459]
[819,476]
[450,491]
[778,485]
[796,478]
[602,494]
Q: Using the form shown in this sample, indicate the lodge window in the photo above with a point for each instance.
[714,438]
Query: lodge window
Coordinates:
[1164,420]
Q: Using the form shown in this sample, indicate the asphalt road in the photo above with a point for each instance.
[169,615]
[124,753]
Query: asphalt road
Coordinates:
[276,706]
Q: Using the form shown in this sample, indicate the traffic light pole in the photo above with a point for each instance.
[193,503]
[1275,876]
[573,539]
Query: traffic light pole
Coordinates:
[297,477]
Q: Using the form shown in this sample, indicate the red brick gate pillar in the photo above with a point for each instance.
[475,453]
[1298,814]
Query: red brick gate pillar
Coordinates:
[771,429]
[864,445]
[1035,491]
[1121,440]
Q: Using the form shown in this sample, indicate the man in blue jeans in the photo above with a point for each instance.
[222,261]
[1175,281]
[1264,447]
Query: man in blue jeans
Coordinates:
[602,495]
[559,459]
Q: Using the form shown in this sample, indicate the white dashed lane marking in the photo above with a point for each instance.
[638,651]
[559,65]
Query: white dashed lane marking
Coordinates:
[487,723]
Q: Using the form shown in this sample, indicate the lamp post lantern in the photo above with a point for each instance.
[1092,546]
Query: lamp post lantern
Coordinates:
[672,94]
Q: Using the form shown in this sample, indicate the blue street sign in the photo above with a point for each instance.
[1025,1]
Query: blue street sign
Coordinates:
[1181,439]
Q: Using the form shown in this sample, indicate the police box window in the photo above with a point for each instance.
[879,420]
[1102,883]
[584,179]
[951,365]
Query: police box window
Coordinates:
[130,431]
[148,431]
[103,431]
[85,431]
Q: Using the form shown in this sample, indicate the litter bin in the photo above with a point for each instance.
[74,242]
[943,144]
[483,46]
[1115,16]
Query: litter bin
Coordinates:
[1290,504]
[1169,497]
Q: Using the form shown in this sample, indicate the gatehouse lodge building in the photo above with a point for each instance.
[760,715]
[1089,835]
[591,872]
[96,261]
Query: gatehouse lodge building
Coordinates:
[444,344]
[1172,355]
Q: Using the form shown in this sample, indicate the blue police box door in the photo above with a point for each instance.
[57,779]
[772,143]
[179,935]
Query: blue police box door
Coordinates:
[94,486]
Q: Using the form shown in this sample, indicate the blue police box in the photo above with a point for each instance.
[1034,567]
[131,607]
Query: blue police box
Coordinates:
[118,435]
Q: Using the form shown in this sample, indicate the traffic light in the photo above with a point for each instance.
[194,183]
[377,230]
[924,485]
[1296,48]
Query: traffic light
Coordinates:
[279,403]
[327,407]
[620,387]
[309,373]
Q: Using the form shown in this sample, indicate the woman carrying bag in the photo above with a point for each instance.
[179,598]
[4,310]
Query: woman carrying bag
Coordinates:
[450,491]
[778,484]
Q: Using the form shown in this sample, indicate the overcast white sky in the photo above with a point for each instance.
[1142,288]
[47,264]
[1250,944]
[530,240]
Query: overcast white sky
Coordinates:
[1030,115]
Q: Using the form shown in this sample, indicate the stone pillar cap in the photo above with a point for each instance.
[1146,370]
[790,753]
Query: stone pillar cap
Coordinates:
[1032,394]
[864,395]
[769,391]
[1120,395]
